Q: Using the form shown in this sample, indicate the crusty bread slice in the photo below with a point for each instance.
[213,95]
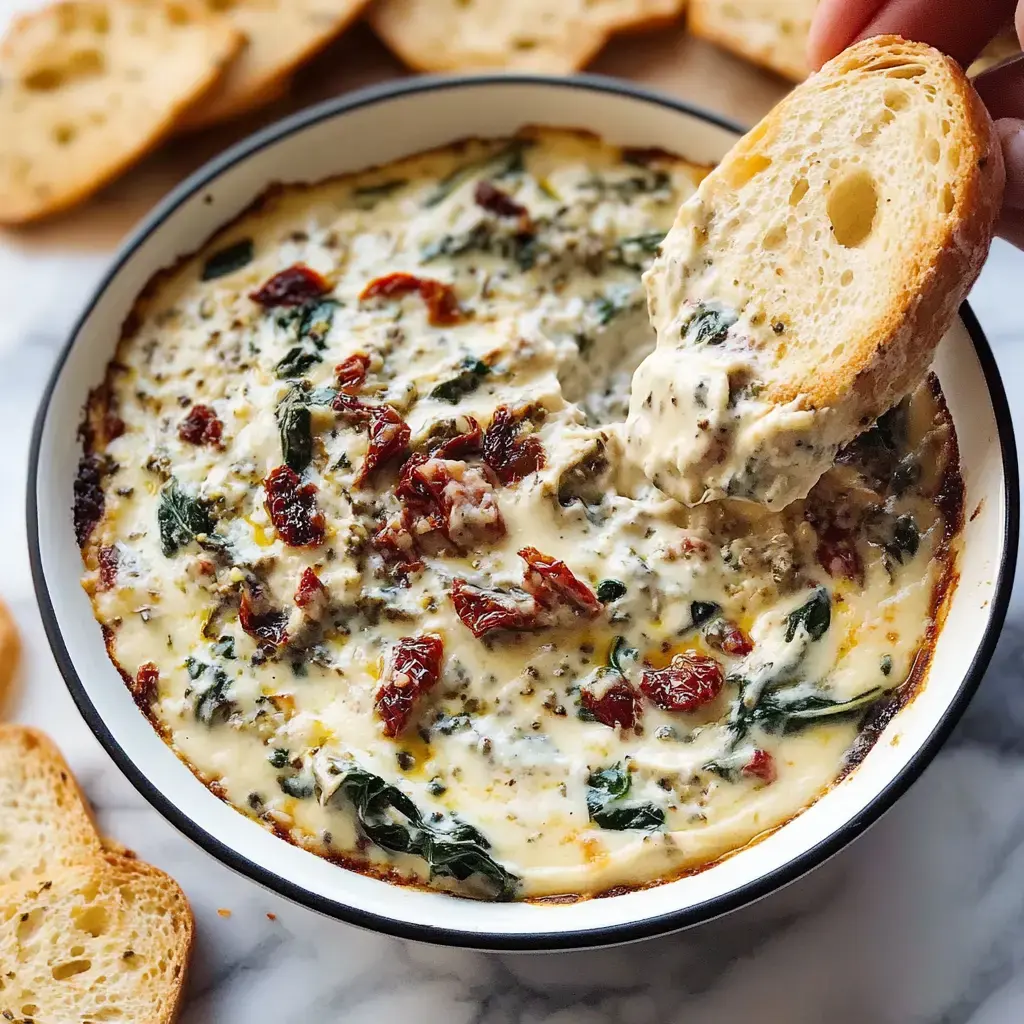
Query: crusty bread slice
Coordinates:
[281,35]
[91,85]
[45,824]
[108,940]
[826,255]
[555,36]
[772,33]
[10,653]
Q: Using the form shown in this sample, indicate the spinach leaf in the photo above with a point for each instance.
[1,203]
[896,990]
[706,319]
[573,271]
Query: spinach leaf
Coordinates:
[182,519]
[708,325]
[503,164]
[610,590]
[815,616]
[367,197]
[278,757]
[477,239]
[885,665]
[225,647]
[620,652]
[315,321]
[296,362]
[468,379]
[606,788]
[228,260]
[779,710]
[295,425]
[299,786]
[450,847]
[213,701]
[647,242]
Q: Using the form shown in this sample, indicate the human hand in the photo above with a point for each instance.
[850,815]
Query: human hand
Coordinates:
[961,30]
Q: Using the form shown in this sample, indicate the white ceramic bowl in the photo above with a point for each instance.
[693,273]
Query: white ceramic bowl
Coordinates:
[373,127]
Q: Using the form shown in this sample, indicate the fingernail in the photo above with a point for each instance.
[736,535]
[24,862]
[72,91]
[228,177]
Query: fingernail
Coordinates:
[1011,135]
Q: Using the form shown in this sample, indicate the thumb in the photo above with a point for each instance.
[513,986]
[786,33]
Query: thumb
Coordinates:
[1011,223]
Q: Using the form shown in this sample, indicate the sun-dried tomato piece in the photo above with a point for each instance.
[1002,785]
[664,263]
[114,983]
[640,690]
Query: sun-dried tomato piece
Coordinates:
[761,766]
[292,508]
[727,637]
[494,199]
[144,688]
[389,436]
[201,426]
[294,286]
[553,584]
[351,372]
[510,456]
[413,667]
[442,305]
[616,705]
[461,446]
[838,554]
[260,620]
[487,611]
[89,498]
[690,682]
[310,590]
[107,559]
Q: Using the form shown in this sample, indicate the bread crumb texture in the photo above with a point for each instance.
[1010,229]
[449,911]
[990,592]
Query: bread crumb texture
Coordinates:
[105,941]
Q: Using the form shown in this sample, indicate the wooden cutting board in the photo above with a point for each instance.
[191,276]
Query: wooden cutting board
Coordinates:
[667,59]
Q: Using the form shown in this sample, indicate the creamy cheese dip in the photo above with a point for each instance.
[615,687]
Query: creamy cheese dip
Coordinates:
[360,528]
[697,425]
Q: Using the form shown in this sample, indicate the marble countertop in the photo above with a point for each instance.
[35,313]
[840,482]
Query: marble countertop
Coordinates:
[922,919]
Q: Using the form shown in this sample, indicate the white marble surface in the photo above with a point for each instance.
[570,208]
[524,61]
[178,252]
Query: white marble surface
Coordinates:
[920,920]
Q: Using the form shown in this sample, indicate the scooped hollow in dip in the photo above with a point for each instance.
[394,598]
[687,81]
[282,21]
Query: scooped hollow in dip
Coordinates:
[358,521]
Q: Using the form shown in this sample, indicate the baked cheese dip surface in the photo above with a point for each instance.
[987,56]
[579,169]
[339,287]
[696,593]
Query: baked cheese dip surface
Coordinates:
[361,533]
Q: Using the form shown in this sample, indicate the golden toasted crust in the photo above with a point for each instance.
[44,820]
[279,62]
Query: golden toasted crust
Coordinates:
[769,33]
[554,36]
[10,652]
[90,86]
[281,36]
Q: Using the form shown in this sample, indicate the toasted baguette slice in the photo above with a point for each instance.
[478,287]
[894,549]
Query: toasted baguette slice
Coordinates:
[804,288]
[91,85]
[281,35]
[10,652]
[772,33]
[555,36]
[108,940]
[45,824]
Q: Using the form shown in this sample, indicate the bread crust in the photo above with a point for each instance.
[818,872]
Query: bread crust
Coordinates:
[246,86]
[225,43]
[886,363]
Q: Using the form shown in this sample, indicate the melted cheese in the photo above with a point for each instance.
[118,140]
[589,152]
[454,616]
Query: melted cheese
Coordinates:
[501,742]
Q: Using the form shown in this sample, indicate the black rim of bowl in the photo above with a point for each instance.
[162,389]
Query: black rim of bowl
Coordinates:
[539,940]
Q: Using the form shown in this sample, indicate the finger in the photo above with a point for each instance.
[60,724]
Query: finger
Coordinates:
[1002,88]
[1011,135]
[836,24]
[945,24]
[1011,227]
